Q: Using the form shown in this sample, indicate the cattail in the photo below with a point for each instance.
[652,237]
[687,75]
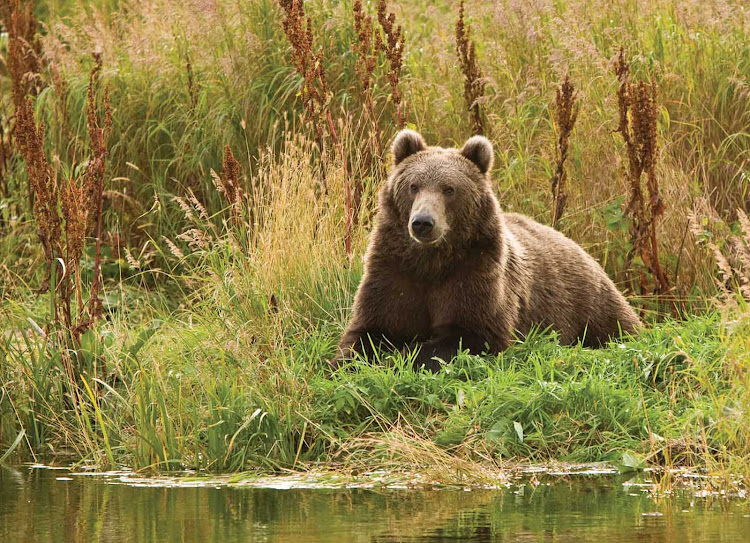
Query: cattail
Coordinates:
[638,125]
[393,47]
[474,82]
[565,115]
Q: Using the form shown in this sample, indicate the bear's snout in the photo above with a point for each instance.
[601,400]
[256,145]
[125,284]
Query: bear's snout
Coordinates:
[427,221]
[422,225]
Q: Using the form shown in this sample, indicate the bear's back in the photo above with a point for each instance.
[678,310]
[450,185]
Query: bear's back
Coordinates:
[567,287]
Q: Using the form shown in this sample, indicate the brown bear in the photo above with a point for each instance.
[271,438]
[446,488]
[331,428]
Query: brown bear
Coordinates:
[446,269]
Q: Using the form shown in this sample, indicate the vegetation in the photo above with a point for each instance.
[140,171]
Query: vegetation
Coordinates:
[183,215]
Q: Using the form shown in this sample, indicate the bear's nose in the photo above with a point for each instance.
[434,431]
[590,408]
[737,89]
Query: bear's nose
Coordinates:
[422,225]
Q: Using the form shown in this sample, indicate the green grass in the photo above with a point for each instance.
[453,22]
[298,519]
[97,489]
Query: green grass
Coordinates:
[185,393]
[213,355]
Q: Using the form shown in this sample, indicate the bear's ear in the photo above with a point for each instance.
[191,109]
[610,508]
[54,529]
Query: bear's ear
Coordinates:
[478,149]
[406,143]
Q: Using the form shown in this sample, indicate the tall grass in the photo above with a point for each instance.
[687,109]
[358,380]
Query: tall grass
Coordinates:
[243,163]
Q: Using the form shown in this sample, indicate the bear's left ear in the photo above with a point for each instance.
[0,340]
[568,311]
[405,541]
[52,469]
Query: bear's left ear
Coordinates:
[478,149]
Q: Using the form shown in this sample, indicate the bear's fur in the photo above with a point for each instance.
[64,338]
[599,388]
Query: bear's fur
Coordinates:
[445,268]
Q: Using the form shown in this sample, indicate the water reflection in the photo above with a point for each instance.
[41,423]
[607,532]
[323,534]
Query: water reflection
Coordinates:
[39,505]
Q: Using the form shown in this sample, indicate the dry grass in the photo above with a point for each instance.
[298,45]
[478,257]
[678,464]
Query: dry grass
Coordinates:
[400,447]
[729,249]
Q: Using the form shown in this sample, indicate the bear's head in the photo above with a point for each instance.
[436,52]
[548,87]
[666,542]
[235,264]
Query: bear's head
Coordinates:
[438,194]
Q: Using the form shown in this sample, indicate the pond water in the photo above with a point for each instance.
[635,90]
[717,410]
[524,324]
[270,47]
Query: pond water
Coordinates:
[55,505]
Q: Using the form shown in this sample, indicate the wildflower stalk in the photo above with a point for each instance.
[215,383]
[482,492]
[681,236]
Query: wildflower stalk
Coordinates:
[392,44]
[65,212]
[565,115]
[638,114]
[23,63]
[316,95]
[367,48]
[474,82]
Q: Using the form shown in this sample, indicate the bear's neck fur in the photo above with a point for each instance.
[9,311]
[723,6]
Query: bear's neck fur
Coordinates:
[482,242]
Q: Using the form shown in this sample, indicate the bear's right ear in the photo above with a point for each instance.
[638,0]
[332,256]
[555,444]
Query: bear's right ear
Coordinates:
[406,143]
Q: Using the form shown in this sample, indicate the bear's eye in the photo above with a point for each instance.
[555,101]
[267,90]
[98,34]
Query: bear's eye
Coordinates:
[414,188]
[448,191]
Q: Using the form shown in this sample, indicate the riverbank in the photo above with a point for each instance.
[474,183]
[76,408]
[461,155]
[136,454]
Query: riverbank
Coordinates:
[190,394]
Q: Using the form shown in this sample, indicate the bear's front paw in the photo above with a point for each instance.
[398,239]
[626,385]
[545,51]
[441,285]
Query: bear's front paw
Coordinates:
[336,362]
[426,360]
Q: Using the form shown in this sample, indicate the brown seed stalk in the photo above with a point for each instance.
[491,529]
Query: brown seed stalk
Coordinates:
[392,44]
[315,94]
[228,184]
[565,115]
[367,48]
[474,81]
[638,124]
[23,62]
[100,128]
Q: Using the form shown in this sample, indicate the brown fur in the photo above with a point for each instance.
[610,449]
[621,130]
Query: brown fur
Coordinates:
[487,276]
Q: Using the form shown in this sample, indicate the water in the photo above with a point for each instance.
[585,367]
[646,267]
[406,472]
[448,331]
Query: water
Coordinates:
[54,505]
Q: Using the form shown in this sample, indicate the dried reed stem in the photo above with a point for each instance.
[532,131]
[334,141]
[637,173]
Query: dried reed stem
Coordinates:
[100,128]
[65,212]
[23,64]
[309,64]
[24,49]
